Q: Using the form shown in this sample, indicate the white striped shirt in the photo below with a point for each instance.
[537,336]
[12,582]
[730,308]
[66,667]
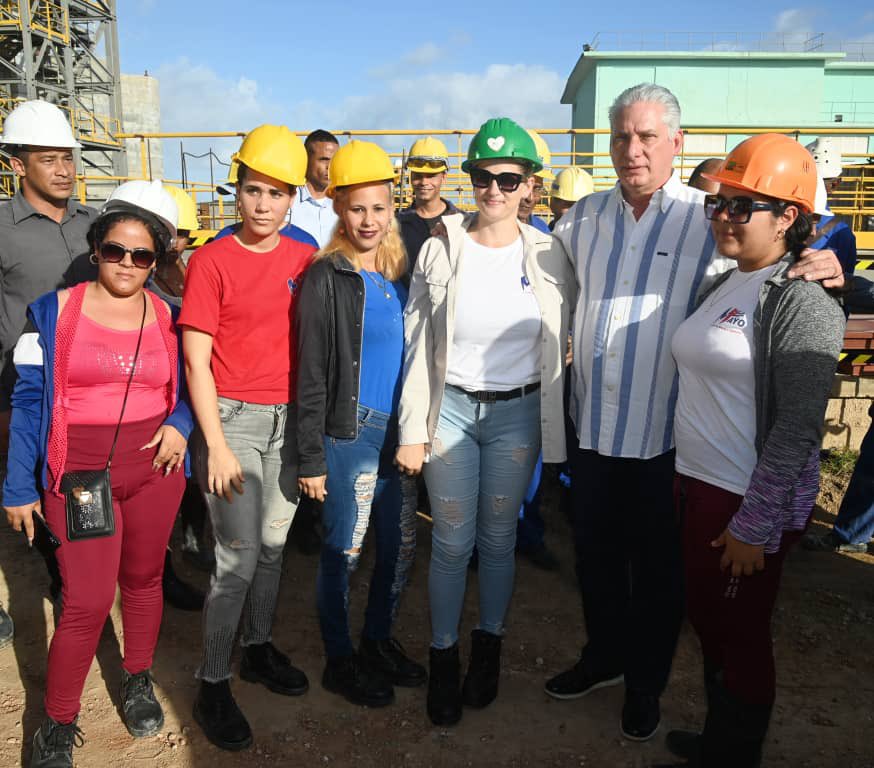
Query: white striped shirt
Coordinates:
[638,280]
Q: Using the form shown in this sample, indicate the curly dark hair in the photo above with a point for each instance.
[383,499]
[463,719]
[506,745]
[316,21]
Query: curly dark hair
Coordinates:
[797,234]
[102,224]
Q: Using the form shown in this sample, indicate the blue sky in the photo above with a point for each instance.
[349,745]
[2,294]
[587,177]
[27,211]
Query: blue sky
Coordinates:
[405,65]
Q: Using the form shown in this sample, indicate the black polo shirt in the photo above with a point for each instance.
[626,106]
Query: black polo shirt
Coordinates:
[415,229]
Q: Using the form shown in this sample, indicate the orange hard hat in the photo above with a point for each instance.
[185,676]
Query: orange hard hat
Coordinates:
[771,164]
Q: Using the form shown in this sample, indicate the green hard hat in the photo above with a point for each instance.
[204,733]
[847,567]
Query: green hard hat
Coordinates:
[502,139]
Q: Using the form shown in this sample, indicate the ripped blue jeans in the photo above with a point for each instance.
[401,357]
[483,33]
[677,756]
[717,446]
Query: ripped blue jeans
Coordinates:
[482,458]
[364,487]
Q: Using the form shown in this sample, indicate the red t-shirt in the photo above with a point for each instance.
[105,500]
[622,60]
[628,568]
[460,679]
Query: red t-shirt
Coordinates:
[244,300]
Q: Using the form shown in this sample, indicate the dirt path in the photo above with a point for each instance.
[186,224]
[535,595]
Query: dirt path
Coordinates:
[824,716]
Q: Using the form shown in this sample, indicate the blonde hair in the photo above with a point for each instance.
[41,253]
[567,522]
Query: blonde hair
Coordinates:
[391,256]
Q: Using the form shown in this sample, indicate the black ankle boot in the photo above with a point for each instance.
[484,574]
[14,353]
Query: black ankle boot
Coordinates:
[216,712]
[444,694]
[142,713]
[53,744]
[354,679]
[388,658]
[264,664]
[734,731]
[481,681]
[176,592]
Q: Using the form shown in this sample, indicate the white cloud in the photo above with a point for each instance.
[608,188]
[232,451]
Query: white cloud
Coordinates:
[196,98]
[795,23]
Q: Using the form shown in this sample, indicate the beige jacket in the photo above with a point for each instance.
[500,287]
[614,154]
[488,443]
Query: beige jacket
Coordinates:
[429,322]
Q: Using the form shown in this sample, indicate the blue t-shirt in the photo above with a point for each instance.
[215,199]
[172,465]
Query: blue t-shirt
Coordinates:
[841,240]
[289,230]
[538,223]
[382,349]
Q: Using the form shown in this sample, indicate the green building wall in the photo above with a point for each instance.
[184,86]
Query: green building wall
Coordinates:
[728,89]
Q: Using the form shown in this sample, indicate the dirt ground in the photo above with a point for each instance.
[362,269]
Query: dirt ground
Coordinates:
[824,717]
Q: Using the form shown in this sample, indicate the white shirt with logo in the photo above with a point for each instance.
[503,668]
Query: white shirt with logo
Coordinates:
[715,421]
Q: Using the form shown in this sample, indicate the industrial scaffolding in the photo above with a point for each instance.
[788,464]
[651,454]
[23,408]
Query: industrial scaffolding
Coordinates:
[66,52]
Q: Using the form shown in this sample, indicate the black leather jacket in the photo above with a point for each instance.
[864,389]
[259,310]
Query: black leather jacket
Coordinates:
[329,316]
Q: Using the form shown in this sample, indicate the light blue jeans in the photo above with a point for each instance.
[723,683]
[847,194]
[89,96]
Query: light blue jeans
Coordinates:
[482,457]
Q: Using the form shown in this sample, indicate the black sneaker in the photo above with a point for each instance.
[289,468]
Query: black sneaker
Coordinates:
[140,709]
[216,712]
[387,657]
[640,716]
[53,744]
[577,682]
[350,677]
[264,664]
[7,628]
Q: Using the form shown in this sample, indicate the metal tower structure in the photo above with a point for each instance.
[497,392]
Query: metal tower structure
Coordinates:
[66,52]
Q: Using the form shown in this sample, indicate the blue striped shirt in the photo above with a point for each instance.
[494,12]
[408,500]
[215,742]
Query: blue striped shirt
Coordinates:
[638,280]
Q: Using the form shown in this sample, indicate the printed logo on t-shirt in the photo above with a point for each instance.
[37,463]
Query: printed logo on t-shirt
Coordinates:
[733,320]
[292,285]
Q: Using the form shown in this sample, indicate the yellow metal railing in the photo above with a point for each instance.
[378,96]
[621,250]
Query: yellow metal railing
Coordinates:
[87,126]
[10,15]
[52,19]
[46,16]
[853,199]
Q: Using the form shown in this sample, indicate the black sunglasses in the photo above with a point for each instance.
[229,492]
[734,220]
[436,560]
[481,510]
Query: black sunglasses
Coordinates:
[740,209]
[114,253]
[507,181]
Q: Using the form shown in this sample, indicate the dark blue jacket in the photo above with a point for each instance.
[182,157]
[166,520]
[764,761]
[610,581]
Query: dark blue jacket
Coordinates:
[34,395]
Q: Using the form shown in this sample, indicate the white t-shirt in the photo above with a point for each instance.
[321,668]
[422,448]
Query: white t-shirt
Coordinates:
[715,421]
[496,340]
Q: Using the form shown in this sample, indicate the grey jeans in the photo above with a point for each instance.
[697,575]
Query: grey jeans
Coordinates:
[250,531]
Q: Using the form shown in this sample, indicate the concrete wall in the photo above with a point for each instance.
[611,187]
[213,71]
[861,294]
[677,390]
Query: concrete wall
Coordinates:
[141,103]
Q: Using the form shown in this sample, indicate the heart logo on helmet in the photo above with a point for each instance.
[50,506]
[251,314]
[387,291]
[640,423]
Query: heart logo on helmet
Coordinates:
[495,143]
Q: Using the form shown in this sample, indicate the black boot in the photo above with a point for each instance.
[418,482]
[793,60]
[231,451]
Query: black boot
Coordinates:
[176,592]
[687,744]
[481,681]
[53,744]
[734,732]
[142,713]
[387,657]
[353,679]
[216,712]
[444,693]
[264,664]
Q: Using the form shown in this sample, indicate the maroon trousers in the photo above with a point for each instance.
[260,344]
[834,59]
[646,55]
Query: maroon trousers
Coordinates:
[731,615]
[145,504]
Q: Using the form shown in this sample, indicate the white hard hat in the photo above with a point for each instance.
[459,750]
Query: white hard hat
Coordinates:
[148,199]
[827,156]
[820,200]
[38,124]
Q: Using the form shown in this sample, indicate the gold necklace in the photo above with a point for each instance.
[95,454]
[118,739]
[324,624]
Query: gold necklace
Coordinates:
[376,283]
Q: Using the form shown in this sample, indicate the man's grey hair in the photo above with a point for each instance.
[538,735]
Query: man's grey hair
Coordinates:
[657,94]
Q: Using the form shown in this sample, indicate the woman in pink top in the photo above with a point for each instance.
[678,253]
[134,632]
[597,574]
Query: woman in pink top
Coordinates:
[74,362]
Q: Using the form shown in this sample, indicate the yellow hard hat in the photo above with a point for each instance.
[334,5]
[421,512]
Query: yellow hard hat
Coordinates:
[274,151]
[187,208]
[428,155]
[359,162]
[571,184]
[544,154]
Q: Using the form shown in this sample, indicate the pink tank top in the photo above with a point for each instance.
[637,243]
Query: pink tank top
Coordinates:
[99,367]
